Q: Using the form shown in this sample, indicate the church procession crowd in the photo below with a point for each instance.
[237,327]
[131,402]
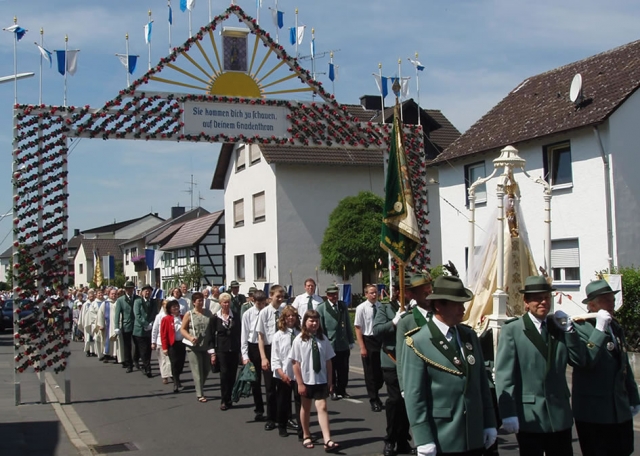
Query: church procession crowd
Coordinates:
[443,386]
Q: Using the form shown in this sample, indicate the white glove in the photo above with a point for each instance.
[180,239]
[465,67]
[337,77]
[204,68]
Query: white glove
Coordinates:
[428,449]
[562,321]
[511,425]
[398,316]
[635,409]
[489,435]
[117,331]
[149,326]
[603,318]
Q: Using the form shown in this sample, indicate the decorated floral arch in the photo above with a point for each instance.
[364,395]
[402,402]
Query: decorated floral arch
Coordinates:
[40,178]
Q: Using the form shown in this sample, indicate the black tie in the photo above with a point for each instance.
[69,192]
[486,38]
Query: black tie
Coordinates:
[293,336]
[543,331]
[316,355]
[375,310]
[277,315]
[310,303]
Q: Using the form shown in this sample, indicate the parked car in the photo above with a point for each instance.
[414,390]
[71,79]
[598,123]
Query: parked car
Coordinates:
[7,313]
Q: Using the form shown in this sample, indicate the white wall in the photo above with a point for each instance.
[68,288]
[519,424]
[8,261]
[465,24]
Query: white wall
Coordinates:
[213,246]
[87,267]
[575,213]
[306,197]
[623,146]
[253,237]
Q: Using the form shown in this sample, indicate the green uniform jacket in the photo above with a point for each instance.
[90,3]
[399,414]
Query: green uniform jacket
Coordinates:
[144,313]
[409,321]
[385,330]
[336,326]
[604,390]
[236,303]
[124,312]
[531,375]
[448,403]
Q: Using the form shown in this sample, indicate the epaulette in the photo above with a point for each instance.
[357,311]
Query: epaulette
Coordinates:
[412,331]
[406,314]
[511,320]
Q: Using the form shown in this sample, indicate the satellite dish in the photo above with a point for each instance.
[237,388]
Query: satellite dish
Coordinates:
[575,92]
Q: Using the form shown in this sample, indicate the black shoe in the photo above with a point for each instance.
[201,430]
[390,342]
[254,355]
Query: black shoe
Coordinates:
[149,374]
[335,397]
[102,359]
[88,355]
[129,370]
[282,432]
[224,407]
[388,449]
[291,424]
[175,388]
[376,407]
[259,417]
[405,448]
[137,365]
[269,426]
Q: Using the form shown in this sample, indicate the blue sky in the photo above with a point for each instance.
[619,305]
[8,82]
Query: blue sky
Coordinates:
[475,52]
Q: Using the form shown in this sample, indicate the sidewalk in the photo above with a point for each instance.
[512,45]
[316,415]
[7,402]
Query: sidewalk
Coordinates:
[32,429]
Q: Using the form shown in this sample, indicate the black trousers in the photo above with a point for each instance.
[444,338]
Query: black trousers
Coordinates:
[340,365]
[372,370]
[283,394]
[549,444]
[256,387]
[270,388]
[605,439]
[143,343]
[177,356]
[126,344]
[228,362]
[136,351]
[397,420]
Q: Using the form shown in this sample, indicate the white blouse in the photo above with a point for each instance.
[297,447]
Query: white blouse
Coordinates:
[301,353]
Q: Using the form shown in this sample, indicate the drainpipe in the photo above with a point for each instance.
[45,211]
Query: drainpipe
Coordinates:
[607,197]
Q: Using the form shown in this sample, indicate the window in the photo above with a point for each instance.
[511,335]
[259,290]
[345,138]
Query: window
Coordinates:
[134,252]
[471,174]
[126,256]
[238,213]
[258,207]
[239,261]
[565,262]
[557,164]
[81,268]
[260,261]
[240,158]
[254,154]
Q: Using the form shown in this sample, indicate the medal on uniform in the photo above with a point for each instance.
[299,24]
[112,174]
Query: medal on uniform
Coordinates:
[610,346]
[471,360]
[456,361]
[444,347]
[469,347]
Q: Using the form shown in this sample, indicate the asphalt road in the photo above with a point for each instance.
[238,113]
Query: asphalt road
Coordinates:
[142,416]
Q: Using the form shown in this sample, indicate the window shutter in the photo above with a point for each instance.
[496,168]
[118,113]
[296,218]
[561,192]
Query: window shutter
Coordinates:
[565,254]
[240,158]
[238,212]
[258,207]
[254,154]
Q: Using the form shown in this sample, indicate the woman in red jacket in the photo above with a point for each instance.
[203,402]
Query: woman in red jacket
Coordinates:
[171,338]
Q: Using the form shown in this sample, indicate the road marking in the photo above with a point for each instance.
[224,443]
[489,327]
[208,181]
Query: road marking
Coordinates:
[355,401]
[78,433]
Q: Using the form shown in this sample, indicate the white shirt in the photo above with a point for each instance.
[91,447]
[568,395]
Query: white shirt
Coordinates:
[177,325]
[364,317]
[184,306]
[155,329]
[447,332]
[249,335]
[301,352]
[536,322]
[301,303]
[267,322]
[280,349]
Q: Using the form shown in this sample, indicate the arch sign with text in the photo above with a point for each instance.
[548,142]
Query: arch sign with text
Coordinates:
[232,77]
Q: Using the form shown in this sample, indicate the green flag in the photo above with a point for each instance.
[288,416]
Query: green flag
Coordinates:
[400,234]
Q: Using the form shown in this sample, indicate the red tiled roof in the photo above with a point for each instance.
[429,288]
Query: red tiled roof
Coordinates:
[193,231]
[540,105]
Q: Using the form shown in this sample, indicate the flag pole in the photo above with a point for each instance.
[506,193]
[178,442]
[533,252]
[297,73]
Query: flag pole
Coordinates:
[258,12]
[15,63]
[417,87]
[149,40]
[170,23]
[400,92]
[297,54]
[66,67]
[313,53]
[381,98]
[209,12]
[190,35]
[277,25]
[126,38]
[42,45]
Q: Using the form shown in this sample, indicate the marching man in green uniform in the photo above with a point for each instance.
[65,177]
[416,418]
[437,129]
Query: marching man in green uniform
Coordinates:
[336,324]
[124,321]
[605,394]
[445,385]
[531,364]
[419,287]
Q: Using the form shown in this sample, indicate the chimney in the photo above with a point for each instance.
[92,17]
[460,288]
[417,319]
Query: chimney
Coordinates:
[371,102]
[76,232]
[177,211]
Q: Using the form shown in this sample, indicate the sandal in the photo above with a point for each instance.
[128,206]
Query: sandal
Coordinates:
[202,399]
[330,446]
[307,443]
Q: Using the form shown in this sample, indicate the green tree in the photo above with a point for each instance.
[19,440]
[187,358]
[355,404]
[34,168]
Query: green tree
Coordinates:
[120,278]
[629,314]
[351,242]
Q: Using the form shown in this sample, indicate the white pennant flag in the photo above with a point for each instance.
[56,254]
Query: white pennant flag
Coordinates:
[301,33]
[191,4]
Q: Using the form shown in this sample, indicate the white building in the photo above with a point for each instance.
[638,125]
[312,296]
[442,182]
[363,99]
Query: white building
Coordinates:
[5,260]
[278,199]
[595,209]
[83,262]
